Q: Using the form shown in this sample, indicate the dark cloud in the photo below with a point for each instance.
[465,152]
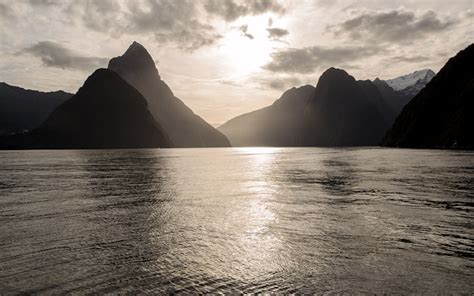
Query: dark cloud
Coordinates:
[5,11]
[282,83]
[408,59]
[256,7]
[179,23]
[226,9]
[55,55]
[44,2]
[184,24]
[276,33]
[395,26]
[161,15]
[230,10]
[103,15]
[244,30]
[230,83]
[189,40]
[172,22]
[310,59]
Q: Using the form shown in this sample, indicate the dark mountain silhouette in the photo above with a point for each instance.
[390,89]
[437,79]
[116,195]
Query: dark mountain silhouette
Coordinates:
[441,115]
[106,112]
[185,128]
[277,125]
[345,112]
[23,109]
[340,111]
[395,100]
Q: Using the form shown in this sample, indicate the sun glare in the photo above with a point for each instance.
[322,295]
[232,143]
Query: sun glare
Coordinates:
[246,55]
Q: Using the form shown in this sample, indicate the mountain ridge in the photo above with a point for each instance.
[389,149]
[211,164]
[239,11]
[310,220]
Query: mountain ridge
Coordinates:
[292,120]
[105,113]
[411,84]
[24,109]
[185,128]
[440,116]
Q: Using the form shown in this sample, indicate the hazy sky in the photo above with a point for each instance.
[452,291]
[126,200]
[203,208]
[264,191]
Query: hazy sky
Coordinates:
[227,57]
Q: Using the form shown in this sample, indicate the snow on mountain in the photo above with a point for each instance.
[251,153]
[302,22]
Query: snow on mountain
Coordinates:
[420,78]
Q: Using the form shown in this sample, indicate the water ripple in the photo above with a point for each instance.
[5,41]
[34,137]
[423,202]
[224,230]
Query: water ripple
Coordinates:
[240,220]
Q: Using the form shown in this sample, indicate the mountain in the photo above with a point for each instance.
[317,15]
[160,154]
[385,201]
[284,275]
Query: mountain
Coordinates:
[441,115]
[399,91]
[106,112]
[411,84]
[345,112]
[275,125]
[185,128]
[23,109]
[340,111]
[395,100]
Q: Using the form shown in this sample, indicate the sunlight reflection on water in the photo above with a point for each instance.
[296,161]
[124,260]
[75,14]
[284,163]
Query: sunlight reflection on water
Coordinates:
[258,243]
[244,220]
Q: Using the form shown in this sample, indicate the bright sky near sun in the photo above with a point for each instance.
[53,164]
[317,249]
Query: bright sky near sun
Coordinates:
[227,57]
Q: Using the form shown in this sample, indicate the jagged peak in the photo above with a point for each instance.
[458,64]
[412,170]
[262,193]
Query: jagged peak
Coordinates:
[417,77]
[136,58]
[135,46]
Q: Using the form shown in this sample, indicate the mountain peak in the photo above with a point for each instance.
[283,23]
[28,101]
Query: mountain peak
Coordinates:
[379,82]
[186,129]
[295,97]
[335,77]
[100,77]
[440,115]
[135,46]
[335,73]
[418,77]
[135,59]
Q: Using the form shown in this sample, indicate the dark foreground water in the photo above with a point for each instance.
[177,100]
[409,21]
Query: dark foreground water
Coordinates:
[237,220]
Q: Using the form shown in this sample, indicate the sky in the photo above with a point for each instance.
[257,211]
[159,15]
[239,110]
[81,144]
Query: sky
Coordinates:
[228,57]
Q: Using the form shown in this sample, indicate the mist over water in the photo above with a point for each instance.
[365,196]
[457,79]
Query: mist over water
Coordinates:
[237,220]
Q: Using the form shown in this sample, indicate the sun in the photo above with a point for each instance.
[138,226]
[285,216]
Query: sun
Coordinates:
[245,55]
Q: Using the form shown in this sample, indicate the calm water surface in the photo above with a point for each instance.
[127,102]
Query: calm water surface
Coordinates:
[245,220]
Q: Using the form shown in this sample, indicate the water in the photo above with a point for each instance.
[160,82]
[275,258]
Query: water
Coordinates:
[245,220]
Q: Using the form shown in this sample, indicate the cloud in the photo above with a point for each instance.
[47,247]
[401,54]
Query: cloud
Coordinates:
[102,16]
[230,10]
[5,10]
[55,55]
[189,40]
[394,26]
[244,29]
[175,22]
[230,82]
[281,83]
[44,2]
[276,33]
[309,59]
[184,24]
[408,59]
